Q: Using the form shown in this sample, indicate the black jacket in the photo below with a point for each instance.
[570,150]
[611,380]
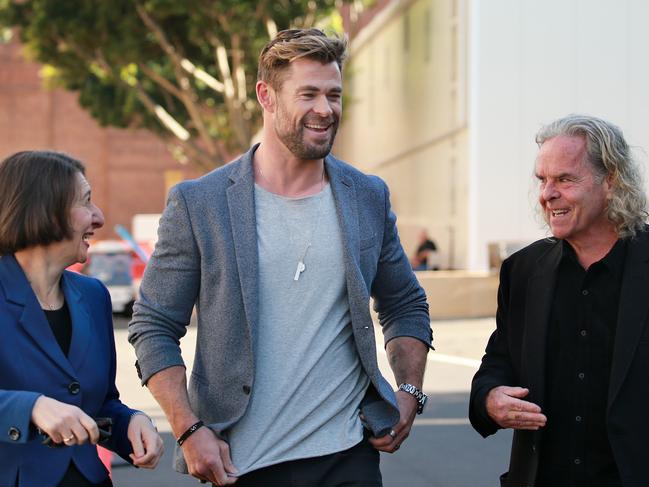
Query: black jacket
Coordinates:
[515,356]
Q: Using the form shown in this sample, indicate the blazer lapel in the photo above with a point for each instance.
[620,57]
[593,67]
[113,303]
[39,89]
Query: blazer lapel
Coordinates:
[344,193]
[81,325]
[540,291]
[632,313]
[241,205]
[32,319]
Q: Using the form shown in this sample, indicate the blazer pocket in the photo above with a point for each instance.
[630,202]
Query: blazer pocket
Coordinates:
[368,243]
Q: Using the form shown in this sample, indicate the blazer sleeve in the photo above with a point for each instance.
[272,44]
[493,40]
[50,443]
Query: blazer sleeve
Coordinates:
[168,292]
[399,300]
[15,414]
[496,368]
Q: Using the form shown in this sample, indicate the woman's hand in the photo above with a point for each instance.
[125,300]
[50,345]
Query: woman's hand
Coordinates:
[64,423]
[145,440]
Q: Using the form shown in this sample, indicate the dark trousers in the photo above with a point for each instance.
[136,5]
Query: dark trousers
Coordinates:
[356,467]
[74,478]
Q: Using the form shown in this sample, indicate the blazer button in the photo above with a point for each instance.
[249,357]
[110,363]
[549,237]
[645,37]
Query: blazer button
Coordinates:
[14,433]
[74,388]
[246,389]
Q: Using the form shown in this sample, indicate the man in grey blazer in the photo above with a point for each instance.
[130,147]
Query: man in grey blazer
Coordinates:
[280,252]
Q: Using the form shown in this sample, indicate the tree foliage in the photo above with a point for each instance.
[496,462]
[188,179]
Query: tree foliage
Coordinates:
[185,70]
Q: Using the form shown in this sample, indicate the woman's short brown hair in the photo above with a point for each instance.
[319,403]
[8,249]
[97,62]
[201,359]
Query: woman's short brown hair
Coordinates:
[37,191]
[291,44]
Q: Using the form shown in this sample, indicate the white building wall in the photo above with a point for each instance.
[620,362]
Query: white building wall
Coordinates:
[405,118]
[533,61]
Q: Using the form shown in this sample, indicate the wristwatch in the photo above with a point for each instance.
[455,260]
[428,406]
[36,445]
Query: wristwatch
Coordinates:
[420,396]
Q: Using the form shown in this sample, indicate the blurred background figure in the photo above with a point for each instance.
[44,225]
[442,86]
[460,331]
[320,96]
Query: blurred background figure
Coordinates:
[424,257]
[58,351]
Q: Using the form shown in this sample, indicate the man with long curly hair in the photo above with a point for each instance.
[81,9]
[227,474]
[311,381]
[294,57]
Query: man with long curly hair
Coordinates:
[567,365]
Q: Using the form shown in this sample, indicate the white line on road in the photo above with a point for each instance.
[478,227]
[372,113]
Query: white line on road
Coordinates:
[441,421]
[448,359]
[454,359]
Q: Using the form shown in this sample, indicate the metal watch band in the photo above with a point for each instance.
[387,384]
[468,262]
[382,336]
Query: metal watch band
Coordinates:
[417,394]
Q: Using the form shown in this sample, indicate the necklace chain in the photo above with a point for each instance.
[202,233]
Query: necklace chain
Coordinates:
[45,304]
[263,176]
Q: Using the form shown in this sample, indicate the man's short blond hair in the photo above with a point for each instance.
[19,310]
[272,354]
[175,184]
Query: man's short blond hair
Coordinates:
[289,45]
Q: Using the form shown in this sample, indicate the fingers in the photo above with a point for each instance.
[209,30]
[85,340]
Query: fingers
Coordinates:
[90,427]
[64,423]
[391,442]
[152,449]
[208,458]
[226,458]
[79,433]
[225,476]
[523,420]
[136,444]
[145,441]
[506,408]
[519,392]
[82,429]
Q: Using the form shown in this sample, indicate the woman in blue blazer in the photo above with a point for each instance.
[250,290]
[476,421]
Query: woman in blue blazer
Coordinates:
[57,350]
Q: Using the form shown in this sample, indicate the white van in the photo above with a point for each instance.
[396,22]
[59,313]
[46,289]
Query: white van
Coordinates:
[111,262]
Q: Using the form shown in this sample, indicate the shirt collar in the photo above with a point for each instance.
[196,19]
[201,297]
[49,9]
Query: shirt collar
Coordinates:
[613,261]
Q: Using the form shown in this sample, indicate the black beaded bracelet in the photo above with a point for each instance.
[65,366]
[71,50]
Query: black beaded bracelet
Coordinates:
[190,431]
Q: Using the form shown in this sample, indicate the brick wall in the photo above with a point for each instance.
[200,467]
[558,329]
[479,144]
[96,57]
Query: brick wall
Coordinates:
[126,168]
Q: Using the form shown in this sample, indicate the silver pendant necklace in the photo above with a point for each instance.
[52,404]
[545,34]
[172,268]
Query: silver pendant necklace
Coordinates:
[301,266]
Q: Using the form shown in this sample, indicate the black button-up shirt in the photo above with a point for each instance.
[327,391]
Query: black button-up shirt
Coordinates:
[575,451]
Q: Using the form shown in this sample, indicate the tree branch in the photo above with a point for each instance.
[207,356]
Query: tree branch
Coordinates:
[186,94]
[202,75]
[161,81]
[234,106]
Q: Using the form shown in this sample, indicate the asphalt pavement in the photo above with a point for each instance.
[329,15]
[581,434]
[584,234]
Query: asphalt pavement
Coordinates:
[442,450]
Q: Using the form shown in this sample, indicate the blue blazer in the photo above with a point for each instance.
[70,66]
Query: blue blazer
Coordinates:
[32,364]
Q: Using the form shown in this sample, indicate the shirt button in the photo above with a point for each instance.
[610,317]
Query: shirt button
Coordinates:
[577,461]
[585,292]
[14,433]
[74,388]
[581,375]
[246,389]
[583,333]
[578,418]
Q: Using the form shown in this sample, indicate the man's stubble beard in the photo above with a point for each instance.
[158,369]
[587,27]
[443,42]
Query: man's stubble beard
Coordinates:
[294,141]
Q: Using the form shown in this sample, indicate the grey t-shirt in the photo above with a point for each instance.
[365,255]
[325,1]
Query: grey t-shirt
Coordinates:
[308,381]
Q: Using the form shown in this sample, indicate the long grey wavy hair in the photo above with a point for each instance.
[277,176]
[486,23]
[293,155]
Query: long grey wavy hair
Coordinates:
[610,156]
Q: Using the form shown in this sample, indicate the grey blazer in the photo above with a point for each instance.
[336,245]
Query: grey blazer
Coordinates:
[206,256]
